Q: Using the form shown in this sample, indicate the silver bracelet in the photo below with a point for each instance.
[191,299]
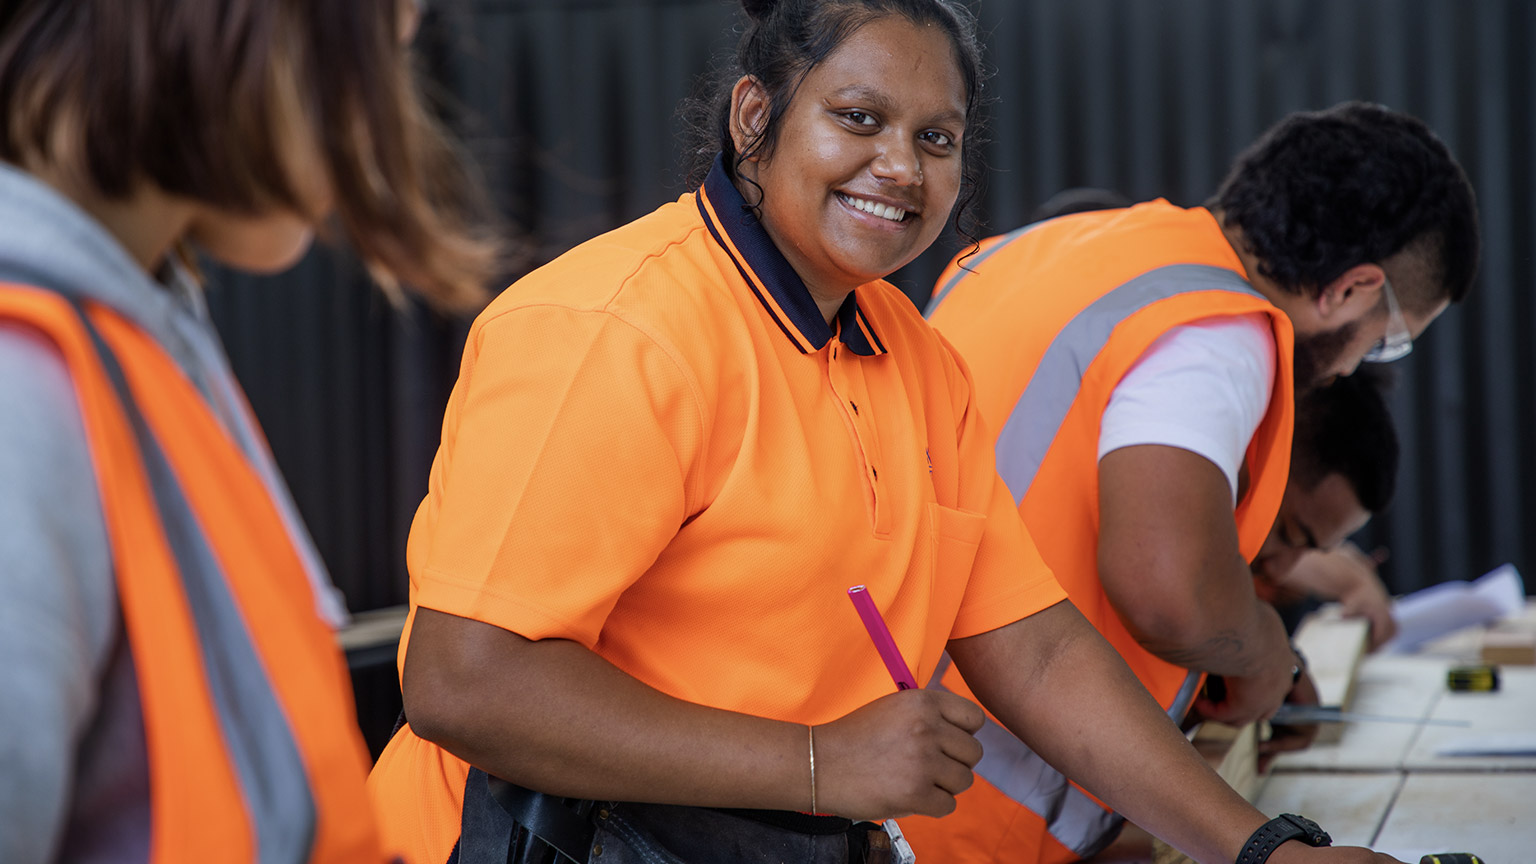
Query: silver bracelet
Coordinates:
[811,733]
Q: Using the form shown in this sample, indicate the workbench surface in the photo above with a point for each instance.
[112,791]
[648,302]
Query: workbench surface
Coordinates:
[1392,786]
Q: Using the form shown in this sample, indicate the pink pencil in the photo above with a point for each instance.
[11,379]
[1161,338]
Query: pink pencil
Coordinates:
[881,636]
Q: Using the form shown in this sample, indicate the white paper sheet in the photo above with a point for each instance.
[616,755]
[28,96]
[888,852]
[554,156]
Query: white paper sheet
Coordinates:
[1440,609]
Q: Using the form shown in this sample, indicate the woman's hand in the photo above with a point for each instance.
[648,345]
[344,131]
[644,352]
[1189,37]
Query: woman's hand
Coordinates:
[909,752]
[553,716]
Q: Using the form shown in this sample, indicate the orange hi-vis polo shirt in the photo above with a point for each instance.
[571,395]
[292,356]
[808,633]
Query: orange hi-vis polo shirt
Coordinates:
[1051,317]
[658,448]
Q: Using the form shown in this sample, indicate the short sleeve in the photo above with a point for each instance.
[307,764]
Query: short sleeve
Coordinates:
[564,472]
[1009,580]
[1202,387]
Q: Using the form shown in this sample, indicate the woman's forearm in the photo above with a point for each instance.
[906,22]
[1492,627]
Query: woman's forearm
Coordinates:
[553,716]
[1054,682]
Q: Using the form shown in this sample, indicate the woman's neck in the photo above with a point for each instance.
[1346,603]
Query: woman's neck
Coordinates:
[828,305]
[146,223]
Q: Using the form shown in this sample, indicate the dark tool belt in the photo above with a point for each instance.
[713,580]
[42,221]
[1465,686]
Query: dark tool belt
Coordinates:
[788,820]
[504,822]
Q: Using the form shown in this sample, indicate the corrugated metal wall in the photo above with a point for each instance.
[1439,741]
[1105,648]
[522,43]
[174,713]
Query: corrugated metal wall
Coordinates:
[570,107]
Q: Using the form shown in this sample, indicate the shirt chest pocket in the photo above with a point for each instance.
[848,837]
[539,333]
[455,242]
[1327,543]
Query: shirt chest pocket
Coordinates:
[953,537]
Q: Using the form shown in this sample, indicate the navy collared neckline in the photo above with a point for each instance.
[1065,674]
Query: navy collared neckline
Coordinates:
[772,280]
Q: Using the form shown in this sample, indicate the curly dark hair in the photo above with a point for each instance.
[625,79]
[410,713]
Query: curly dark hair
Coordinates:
[783,40]
[1346,429]
[1325,191]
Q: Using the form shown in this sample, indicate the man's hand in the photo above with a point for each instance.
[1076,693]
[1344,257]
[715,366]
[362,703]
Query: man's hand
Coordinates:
[1249,698]
[1349,576]
[909,752]
[1285,739]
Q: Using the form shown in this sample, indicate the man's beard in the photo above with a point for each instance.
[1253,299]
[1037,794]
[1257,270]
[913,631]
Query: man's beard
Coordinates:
[1317,354]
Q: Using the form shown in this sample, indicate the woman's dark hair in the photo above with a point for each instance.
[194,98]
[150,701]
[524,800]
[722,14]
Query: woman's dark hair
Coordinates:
[1324,191]
[1346,429]
[783,41]
[209,99]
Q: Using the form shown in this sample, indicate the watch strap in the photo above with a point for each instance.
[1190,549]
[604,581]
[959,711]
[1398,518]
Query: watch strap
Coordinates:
[1286,826]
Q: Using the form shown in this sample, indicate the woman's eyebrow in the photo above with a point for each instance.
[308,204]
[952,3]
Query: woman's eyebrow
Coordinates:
[882,102]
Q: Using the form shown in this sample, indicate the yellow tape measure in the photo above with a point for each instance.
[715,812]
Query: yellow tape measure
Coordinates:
[1472,679]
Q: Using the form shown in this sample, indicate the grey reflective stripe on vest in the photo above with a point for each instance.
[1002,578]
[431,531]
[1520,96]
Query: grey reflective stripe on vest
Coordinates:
[1185,697]
[266,756]
[1073,818]
[1042,408]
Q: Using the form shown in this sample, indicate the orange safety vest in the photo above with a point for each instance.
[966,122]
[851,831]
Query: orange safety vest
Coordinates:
[253,748]
[1051,319]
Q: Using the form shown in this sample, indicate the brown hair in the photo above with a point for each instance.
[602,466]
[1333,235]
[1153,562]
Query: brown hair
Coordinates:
[206,99]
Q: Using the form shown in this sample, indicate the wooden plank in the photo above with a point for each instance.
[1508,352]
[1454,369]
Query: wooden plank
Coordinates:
[1486,814]
[1350,807]
[1333,646]
[1234,752]
[1162,853]
[1504,646]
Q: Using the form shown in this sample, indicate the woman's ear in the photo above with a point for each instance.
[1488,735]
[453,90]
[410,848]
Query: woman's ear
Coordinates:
[749,115]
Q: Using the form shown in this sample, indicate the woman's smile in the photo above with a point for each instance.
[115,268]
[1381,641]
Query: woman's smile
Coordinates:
[880,208]
[866,163]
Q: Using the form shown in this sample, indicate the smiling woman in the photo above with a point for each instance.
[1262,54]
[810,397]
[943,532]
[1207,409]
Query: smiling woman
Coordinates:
[774,62]
[866,166]
[669,455]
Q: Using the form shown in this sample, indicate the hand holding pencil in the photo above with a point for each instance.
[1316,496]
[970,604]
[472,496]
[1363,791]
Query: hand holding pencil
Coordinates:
[910,751]
[881,636]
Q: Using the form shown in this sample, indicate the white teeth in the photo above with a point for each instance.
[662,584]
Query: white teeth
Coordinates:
[884,211]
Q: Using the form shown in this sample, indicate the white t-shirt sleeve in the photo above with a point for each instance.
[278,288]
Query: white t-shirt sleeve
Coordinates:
[1202,387]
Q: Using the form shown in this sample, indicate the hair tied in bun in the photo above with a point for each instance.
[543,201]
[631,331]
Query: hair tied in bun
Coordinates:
[757,10]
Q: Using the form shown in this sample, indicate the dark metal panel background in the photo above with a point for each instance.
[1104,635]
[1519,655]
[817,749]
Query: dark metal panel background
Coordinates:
[570,107]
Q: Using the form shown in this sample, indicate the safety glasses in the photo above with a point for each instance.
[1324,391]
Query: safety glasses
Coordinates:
[1398,342]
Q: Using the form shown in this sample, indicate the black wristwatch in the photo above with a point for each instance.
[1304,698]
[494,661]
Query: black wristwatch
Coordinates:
[1286,826]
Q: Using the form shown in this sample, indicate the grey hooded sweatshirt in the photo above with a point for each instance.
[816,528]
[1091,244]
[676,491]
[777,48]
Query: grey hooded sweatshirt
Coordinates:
[74,783]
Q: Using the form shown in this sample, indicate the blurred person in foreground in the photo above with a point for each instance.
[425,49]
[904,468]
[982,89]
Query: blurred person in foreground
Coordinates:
[173,691]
